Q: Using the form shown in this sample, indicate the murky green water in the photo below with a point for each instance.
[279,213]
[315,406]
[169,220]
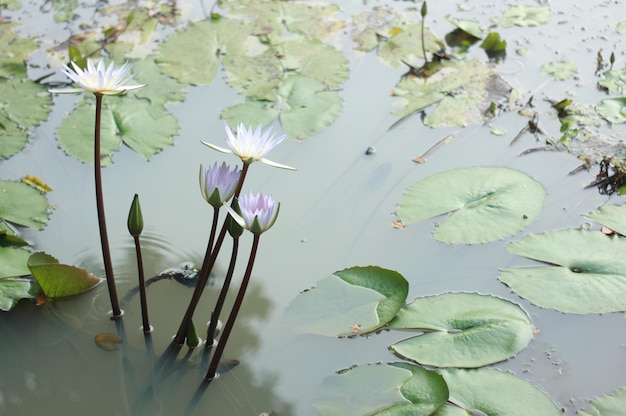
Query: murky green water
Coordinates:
[336,212]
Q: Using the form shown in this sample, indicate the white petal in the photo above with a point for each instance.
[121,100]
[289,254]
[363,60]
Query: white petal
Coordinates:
[219,149]
[274,164]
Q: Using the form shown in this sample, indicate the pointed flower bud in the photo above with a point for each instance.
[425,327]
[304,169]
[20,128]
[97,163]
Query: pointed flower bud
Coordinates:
[135,218]
[251,146]
[424,10]
[258,212]
[234,229]
[98,79]
[218,183]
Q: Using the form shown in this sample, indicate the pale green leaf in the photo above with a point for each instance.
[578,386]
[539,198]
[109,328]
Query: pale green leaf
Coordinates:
[59,280]
[611,216]
[523,15]
[613,110]
[14,289]
[13,262]
[613,80]
[462,330]
[14,50]
[610,405]
[481,204]
[559,70]
[23,205]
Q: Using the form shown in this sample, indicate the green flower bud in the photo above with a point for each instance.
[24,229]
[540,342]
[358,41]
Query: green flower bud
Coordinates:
[135,218]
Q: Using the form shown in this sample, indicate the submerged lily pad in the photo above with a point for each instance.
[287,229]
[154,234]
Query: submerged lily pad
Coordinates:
[491,392]
[523,15]
[486,203]
[462,91]
[586,271]
[560,70]
[353,301]
[12,289]
[613,110]
[462,330]
[23,205]
[382,389]
[59,280]
[610,405]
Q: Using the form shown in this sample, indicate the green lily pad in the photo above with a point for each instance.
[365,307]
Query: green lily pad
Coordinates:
[462,92]
[14,51]
[353,301]
[471,27]
[141,125]
[13,262]
[610,405]
[12,289]
[405,45]
[23,205]
[493,43]
[486,203]
[492,392]
[315,59]
[304,105]
[620,27]
[614,81]
[462,330]
[523,15]
[559,70]
[382,389]
[159,90]
[612,110]
[208,40]
[611,216]
[369,27]
[59,280]
[586,271]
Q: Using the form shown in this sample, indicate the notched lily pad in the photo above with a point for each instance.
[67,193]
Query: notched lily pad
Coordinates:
[613,110]
[611,216]
[610,405]
[462,330]
[461,92]
[523,15]
[23,205]
[559,70]
[12,289]
[59,280]
[486,204]
[382,389]
[585,271]
[492,392]
[353,301]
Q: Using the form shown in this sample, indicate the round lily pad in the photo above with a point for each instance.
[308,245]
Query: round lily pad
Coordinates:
[485,204]
[611,405]
[585,271]
[612,110]
[353,301]
[23,205]
[560,70]
[492,392]
[462,330]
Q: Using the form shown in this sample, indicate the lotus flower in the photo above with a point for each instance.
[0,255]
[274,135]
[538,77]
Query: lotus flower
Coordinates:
[251,146]
[258,212]
[98,79]
[218,183]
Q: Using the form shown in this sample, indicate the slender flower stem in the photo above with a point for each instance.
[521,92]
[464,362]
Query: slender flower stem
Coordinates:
[233,313]
[207,265]
[142,288]
[222,297]
[104,239]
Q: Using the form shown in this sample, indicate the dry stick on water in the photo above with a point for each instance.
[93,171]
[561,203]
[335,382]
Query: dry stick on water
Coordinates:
[104,239]
[233,313]
[207,266]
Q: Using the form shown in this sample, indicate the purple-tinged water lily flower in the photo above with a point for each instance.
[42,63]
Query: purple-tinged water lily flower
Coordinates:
[258,212]
[98,79]
[218,183]
[251,146]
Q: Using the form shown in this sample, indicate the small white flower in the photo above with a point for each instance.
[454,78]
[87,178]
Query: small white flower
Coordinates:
[251,146]
[218,184]
[258,212]
[98,79]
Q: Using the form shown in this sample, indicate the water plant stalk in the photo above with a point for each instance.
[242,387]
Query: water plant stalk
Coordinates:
[142,288]
[423,12]
[219,350]
[207,265]
[104,239]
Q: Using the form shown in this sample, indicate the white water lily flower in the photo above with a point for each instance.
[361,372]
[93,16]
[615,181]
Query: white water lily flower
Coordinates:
[218,183]
[258,212]
[98,79]
[251,146]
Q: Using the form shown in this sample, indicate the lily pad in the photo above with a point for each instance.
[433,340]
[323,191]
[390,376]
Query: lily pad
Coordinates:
[14,51]
[613,110]
[523,15]
[486,203]
[559,70]
[610,405]
[352,301]
[620,27]
[586,271]
[492,392]
[12,289]
[13,262]
[611,216]
[23,205]
[462,91]
[59,280]
[369,28]
[471,27]
[462,330]
[382,389]
[405,45]
[614,81]
[108,342]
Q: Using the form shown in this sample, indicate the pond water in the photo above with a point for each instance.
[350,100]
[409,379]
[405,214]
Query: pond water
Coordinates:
[336,212]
